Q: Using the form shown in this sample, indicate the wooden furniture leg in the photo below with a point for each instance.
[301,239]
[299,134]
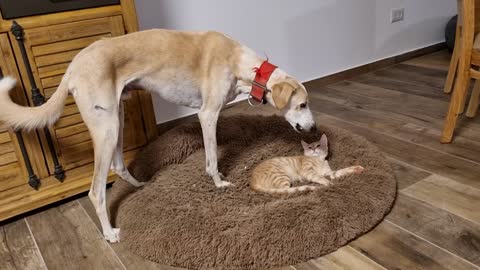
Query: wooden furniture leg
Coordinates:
[463,71]
[452,70]
[463,100]
[474,101]
[452,115]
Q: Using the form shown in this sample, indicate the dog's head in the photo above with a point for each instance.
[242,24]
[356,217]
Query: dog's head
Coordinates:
[291,98]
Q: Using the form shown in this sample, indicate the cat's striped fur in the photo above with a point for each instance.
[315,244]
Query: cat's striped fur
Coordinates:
[276,175]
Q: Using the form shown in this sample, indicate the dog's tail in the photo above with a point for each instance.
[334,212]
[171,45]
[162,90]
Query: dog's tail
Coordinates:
[30,117]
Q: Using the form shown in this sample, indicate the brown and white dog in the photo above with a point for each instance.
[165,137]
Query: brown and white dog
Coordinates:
[202,70]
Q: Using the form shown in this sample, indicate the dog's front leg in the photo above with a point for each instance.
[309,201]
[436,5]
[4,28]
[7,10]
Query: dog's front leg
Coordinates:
[208,121]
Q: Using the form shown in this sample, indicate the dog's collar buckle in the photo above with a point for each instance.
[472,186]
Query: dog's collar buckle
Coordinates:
[254,103]
[259,84]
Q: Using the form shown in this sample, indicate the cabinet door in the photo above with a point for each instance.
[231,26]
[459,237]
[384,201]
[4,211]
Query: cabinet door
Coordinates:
[50,49]
[13,172]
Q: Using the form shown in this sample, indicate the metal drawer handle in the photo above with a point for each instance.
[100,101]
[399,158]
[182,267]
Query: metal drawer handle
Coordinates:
[37,98]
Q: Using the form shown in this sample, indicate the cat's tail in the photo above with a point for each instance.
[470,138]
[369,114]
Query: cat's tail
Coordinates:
[287,190]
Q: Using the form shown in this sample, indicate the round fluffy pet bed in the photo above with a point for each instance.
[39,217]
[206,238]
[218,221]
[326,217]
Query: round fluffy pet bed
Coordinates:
[181,219]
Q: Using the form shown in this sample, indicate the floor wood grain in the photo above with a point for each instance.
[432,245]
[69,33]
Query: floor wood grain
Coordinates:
[448,194]
[67,239]
[344,258]
[445,229]
[18,249]
[395,248]
[406,174]
[130,260]
[435,60]
[434,224]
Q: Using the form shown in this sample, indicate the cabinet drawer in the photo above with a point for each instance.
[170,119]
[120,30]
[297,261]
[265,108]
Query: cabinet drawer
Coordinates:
[9,162]
[12,163]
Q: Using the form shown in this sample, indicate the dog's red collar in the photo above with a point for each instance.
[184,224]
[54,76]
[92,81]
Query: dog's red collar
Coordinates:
[259,84]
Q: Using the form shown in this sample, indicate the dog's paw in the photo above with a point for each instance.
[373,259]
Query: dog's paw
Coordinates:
[358,169]
[134,182]
[138,184]
[218,180]
[112,236]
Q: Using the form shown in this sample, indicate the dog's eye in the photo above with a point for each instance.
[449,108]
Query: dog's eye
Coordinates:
[303,105]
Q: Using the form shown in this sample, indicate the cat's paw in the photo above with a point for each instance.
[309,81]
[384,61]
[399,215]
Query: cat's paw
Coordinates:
[223,184]
[358,169]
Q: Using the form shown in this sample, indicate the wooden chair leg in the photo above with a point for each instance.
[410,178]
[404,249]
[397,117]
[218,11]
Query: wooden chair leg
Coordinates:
[474,101]
[461,86]
[452,70]
[463,101]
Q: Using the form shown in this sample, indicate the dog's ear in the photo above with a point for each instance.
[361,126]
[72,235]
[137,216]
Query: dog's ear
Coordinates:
[281,93]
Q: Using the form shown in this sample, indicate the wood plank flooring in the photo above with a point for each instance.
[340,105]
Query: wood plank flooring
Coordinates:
[435,222]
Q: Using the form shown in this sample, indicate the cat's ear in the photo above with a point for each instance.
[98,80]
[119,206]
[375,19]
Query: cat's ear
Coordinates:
[324,143]
[304,144]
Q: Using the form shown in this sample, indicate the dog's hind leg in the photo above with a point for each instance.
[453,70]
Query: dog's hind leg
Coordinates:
[101,117]
[105,137]
[118,164]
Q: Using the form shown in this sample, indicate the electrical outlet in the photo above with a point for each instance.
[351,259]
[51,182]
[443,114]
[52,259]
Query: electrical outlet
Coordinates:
[398,14]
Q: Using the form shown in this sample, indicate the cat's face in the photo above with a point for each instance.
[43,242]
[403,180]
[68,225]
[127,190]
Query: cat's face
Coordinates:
[316,149]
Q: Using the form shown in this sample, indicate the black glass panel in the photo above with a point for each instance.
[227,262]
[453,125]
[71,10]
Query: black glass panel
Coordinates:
[21,8]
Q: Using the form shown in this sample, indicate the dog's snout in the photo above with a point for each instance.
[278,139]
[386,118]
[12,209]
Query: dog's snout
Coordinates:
[313,128]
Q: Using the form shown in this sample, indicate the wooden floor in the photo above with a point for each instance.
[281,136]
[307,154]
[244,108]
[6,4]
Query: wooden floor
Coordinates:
[435,223]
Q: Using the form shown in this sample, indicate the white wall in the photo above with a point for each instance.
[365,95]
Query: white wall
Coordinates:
[307,38]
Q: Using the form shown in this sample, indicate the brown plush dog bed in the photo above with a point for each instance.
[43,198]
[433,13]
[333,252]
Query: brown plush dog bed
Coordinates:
[180,218]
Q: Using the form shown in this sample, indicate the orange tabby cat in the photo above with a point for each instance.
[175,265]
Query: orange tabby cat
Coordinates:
[276,175]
